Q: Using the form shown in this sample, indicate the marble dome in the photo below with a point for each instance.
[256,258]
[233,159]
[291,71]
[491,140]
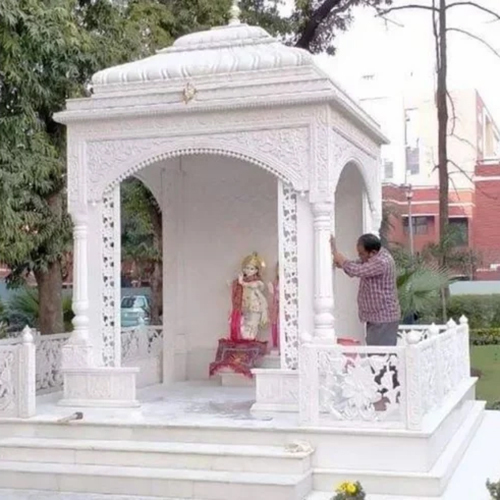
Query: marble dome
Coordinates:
[235,48]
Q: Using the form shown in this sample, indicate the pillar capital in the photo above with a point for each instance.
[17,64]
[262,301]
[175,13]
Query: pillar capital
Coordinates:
[322,209]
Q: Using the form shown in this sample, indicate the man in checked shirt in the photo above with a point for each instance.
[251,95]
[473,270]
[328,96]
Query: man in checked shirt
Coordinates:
[378,302]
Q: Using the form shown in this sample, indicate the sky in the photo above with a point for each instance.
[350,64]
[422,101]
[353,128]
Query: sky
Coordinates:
[403,45]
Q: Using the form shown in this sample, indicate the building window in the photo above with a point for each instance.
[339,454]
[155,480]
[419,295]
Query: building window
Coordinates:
[412,160]
[420,224]
[491,139]
[412,141]
[388,169]
[459,227]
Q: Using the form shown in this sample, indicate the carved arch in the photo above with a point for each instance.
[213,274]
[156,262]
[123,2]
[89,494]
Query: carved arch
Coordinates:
[354,162]
[134,170]
[282,152]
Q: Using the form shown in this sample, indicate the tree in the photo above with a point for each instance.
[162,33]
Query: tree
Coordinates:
[439,10]
[460,259]
[40,44]
[48,52]
[142,238]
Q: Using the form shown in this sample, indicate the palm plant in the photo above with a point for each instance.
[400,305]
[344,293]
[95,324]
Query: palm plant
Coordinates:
[419,288]
[419,283]
[24,309]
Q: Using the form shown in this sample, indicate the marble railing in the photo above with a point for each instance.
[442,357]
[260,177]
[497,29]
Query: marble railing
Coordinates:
[48,362]
[425,331]
[17,376]
[141,346]
[395,387]
[141,342]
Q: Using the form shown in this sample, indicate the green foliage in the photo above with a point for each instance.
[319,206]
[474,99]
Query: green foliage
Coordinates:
[419,288]
[485,336]
[452,251]
[419,284]
[482,311]
[138,230]
[24,309]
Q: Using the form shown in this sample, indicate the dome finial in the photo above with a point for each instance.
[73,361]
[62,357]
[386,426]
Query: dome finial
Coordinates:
[235,14]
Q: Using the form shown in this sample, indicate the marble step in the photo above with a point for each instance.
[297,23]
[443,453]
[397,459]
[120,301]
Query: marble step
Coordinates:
[421,484]
[153,482]
[215,457]
[60,495]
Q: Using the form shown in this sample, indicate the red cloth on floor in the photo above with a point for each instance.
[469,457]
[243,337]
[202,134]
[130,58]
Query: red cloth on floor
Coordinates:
[239,356]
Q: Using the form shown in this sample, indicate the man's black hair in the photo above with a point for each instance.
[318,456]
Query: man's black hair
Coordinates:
[370,242]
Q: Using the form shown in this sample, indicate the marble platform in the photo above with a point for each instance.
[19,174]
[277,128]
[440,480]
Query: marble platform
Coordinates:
[214,415]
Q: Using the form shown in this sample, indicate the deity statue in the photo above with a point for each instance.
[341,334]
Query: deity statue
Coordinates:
[249,305]
[274,309]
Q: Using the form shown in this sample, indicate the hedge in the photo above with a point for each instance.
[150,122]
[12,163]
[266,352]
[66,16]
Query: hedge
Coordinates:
[482,311]
[485,336]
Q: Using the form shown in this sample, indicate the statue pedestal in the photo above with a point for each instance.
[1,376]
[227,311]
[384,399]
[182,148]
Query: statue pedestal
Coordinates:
[277,390]
[229,378]
[100,387]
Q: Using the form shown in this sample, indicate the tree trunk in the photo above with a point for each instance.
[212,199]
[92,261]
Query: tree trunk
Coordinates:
[442,110]
[318,16]
[156,278]
[156,293]
[50,299]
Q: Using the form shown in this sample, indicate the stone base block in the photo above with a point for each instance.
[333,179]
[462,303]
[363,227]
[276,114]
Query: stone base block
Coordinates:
[76,355]
[230,379]
[100,387]
[277,390]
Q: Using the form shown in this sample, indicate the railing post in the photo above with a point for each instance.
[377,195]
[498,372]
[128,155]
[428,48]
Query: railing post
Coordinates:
[465,347]
[456,374]
[414,401]
[26,385]
[308,382]
[433,330]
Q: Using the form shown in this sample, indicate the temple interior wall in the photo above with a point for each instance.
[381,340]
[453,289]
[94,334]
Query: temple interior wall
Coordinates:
[349,225]
[218,210]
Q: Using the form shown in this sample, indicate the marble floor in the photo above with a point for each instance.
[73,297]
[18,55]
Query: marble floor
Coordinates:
[200,403]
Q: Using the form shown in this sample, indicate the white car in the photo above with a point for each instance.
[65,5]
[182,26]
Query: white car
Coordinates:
[135,310]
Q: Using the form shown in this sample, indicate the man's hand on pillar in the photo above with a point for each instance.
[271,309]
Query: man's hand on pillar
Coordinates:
[338,258]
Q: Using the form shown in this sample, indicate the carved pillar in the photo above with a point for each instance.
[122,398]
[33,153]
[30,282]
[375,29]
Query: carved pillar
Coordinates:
[323,279]
[111,278]
[77,353]
[289,276]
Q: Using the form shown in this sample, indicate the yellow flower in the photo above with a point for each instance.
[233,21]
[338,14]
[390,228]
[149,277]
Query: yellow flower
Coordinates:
[352,489]
[343,487]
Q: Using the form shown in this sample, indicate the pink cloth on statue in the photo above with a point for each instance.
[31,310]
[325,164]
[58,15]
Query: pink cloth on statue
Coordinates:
[275,315]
